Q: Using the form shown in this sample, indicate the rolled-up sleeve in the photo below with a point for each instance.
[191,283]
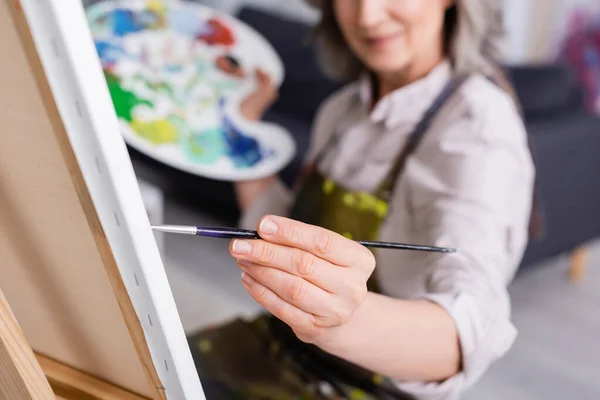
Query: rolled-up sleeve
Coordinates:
[472,189]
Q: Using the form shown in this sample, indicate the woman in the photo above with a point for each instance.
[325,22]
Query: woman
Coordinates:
[420,147]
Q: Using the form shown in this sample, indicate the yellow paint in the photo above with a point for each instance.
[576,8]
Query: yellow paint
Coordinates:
[357,394]
[328,186]
[156,5]
[157,132]
[205,346]
[159,9]
[349,200]
[381,208]
[366,202]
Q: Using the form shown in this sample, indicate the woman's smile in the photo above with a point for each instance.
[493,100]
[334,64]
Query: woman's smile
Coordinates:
[380,41]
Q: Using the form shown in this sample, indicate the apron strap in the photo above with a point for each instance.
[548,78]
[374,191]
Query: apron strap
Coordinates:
[386,189]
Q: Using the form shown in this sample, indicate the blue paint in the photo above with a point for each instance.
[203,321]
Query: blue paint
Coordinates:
[243,150]
[109,53]
[185,23]
[124,22]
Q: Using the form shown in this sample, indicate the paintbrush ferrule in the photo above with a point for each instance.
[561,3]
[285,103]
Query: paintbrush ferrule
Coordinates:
[179,229]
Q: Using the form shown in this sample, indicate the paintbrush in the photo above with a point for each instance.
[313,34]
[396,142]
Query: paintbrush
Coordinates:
[235,233]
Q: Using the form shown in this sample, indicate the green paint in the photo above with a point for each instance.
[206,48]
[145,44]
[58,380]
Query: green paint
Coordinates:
[123,100]
[183,129]
[195,150]
[205,147]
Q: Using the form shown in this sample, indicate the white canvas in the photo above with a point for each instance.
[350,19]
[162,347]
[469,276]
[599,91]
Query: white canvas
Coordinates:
[63,41]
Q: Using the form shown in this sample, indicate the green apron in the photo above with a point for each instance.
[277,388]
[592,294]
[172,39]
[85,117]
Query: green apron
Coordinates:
[263,359]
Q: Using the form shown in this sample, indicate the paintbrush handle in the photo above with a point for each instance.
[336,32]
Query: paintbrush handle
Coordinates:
[228,233]
[235,233]
[403,246]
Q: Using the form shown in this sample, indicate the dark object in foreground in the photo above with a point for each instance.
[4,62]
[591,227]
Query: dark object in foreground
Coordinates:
[263,359]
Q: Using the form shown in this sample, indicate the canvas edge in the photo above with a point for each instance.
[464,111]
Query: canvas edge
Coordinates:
[65,46]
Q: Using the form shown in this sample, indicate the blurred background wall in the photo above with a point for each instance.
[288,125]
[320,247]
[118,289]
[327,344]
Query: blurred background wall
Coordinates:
[533,26]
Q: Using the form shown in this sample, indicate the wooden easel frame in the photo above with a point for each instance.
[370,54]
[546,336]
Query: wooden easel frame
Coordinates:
[25,375]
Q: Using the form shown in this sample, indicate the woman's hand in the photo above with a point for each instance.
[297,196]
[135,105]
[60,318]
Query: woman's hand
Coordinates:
[310,278]
[258,102]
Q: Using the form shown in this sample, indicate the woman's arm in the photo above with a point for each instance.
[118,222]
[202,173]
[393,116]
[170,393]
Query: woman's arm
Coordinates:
[472,192]
[253,108]
[405,340]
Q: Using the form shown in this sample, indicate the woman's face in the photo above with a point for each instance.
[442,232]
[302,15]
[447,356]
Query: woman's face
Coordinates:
[390,35]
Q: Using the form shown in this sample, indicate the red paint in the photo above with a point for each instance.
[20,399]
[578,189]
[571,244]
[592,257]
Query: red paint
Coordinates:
[220,34]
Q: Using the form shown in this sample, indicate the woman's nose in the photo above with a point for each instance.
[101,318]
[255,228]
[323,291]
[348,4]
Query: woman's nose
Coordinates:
[372,12]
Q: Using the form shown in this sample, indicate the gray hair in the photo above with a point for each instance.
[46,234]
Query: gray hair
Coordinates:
[474,36]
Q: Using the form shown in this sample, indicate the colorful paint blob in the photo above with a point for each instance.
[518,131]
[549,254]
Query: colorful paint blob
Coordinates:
[123,100]
[156,132]
[216,32]
[171,69]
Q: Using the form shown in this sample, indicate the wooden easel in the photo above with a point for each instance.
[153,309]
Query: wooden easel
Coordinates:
[86,312]
[25,375]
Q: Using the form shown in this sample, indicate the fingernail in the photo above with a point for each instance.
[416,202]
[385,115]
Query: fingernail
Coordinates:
[269,227]
[246,278]
[241,247]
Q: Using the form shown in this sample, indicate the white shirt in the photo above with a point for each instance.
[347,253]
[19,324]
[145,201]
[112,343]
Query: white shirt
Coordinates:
[468,185]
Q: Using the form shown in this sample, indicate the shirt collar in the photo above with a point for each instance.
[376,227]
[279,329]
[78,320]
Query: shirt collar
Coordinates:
[408,103]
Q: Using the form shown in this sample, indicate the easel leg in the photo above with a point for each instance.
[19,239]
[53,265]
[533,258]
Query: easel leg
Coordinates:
[21,377]
[578,264]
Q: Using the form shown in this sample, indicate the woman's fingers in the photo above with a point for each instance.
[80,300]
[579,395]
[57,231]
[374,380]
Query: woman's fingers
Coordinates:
[288,313]
[308,277]
[256,103]
[264,80]
[293,261]
[321,242]
[298,292]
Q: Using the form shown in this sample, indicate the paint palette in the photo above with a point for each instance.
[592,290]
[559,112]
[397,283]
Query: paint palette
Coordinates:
[177,72]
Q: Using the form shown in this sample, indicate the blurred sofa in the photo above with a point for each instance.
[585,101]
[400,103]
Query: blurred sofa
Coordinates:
[566,145]
[566,139]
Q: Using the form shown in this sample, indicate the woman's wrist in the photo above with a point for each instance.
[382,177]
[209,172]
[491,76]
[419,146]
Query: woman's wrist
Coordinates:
[341,338]
[401,339]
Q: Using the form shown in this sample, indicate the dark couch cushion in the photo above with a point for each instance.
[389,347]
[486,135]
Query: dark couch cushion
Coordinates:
[546,90]
[305,86]
[567,166]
